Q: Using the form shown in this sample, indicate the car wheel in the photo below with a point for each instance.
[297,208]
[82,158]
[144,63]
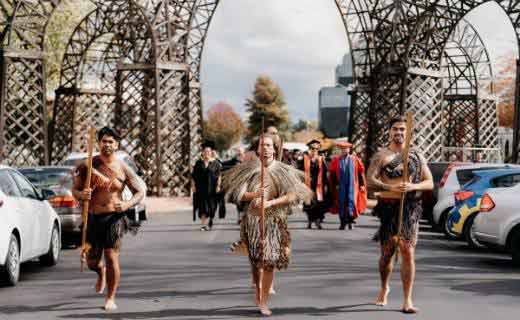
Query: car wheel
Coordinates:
[469,233]
[515,248]
[442,220]
[447,232]
[11,270]
[52,256]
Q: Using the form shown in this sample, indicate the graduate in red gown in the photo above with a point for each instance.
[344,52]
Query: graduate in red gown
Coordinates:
[347,184]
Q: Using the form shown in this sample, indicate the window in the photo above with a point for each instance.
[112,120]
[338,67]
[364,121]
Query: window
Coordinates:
[506,181]
[465,175]
[7,185]
[25,187]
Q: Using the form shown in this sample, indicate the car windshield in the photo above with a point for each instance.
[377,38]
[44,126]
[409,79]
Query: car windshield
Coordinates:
[129,162]
[51,178]
[465,175]
[470,182]
[437,169]
[74,162]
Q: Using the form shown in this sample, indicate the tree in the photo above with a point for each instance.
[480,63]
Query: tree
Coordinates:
[60,28]
[505,89]
[268,100]
[223,126]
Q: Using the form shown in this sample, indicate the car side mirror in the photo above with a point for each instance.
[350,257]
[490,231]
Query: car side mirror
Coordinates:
[47,194]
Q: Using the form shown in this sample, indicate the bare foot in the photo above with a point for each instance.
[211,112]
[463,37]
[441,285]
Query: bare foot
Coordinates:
[409,308]
[257,297]
[264,310]
[101,281]
[382,298]
[110,305]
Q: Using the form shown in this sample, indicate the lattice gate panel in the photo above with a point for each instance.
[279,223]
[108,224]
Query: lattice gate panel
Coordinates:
[461,121]
[174,133]
[135,119]
[93,109]
[195,112]
[61,126]
[74,113]
[488,123]
[24,114]
[424,100]
[359,113]
[385,105]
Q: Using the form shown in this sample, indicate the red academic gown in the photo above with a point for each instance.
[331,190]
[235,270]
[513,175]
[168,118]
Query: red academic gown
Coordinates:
[360,190]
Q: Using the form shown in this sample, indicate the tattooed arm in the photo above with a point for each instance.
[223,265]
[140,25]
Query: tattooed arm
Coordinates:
[136,185]
[374,173]
[78,185]
[426,176]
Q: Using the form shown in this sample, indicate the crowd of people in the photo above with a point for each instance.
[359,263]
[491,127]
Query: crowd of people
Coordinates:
[338,181]
[265,187]
[323,183]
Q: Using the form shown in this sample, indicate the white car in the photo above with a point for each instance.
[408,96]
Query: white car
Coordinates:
[29,226]
[454,178]
[498,223]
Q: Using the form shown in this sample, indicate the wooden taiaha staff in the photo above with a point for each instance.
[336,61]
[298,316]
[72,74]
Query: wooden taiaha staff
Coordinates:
[262,215]
[406,178]
[84,213]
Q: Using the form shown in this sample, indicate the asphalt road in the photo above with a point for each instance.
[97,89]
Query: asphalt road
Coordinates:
[171,270]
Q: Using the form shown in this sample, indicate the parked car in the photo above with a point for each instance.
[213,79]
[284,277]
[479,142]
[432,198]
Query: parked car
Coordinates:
[59,180]
[498,224]
[460,220]
[29,226]
[429,198]
[456,175]
[76,158]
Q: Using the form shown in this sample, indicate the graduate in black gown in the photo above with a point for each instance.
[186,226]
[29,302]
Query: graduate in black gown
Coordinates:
[315,168]
[206,185]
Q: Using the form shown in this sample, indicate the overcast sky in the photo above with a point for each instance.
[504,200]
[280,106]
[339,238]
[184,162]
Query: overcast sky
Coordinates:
[298,43]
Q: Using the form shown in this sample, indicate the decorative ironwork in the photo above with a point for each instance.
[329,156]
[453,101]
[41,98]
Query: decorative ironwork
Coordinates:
[135,64]
[136,51]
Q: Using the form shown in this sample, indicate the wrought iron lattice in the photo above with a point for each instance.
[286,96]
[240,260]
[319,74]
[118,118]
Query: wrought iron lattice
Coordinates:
[145,56]
[360,119]
[23,123]
[424,100]
[136,49]
[488,119]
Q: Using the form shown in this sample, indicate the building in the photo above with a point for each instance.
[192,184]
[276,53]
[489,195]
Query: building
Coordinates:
[334,102]
[344,74]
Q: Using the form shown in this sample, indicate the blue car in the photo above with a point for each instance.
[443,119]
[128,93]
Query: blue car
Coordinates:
[459,221]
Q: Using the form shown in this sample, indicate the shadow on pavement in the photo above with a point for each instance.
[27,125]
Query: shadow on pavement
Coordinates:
[47,308]
[488,288]
[236,311]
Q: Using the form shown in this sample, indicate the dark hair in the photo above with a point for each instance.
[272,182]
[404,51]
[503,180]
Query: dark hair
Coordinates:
[395,120]
[254,145]
[276,145]
[106,131]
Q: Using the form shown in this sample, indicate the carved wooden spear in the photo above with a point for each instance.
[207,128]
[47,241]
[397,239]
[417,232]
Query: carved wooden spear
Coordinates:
[405,155]
[84,247]
[262,215]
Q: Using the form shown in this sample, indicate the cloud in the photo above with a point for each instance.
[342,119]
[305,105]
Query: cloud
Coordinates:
[296,42]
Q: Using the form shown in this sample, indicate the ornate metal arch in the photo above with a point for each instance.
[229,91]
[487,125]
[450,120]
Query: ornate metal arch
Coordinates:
[23,116]
[399,49]
[140,46]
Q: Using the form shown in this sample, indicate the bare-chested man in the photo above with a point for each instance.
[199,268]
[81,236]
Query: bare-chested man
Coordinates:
[385,175]
[107,221]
